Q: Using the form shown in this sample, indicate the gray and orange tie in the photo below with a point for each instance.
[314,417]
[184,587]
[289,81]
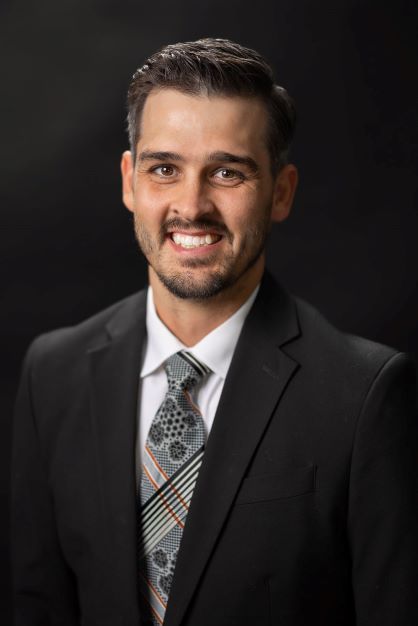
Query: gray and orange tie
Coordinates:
[172,457]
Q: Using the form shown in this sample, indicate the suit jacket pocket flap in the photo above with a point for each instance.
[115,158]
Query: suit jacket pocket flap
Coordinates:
[292,482]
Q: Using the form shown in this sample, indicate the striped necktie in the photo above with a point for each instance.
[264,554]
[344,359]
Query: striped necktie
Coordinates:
[172,458]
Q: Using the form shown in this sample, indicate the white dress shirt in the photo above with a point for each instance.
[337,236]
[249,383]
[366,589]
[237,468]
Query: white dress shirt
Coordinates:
[215,350]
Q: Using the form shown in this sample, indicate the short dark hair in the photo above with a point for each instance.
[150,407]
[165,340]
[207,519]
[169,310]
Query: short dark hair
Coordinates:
[221,67]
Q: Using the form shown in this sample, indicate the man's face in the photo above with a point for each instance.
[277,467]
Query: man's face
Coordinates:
[201,190]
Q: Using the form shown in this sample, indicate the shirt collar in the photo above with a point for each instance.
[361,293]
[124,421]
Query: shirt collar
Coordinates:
[215,349]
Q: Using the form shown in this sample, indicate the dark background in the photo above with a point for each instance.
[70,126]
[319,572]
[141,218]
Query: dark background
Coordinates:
[350,246]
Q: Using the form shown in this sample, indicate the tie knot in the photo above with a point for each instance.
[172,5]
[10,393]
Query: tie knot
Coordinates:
[184,371]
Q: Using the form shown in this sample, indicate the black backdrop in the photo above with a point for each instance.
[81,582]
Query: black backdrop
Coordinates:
[350,246]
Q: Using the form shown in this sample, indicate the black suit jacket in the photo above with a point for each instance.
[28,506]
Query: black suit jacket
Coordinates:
[305,509]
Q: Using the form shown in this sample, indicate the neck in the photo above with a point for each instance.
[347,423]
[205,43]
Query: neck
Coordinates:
[191,320]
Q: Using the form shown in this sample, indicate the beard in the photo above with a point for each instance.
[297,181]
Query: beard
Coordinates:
[183,282]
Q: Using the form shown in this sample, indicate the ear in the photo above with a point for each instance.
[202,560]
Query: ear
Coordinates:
[127,169]
[284,192]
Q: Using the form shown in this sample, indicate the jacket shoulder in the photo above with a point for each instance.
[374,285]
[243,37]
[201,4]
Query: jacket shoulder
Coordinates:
[344,372]
[328,344]
[88,333]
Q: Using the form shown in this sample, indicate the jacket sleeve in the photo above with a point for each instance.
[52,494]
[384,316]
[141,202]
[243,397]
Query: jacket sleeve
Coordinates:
[44,591]
[383,500]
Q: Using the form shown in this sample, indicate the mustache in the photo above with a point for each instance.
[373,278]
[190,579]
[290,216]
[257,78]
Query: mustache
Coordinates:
[205,225]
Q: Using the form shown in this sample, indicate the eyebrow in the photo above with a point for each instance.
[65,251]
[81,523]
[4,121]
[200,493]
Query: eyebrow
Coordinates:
[224,157]
[227,157]
[148,155]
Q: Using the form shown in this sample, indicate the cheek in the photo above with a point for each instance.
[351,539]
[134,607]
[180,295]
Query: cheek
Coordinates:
[236,209]
[148,208]
[248,220]
[148,195]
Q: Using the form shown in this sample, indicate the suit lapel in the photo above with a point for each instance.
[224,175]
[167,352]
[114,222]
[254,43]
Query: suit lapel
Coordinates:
[114,369]
[258,375]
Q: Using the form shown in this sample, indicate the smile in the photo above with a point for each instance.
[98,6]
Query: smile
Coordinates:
[194,241]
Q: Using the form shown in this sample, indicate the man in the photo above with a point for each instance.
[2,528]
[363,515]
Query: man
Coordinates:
[267,471]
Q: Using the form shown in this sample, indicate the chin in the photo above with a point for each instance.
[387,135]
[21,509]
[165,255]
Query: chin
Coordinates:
[187,287]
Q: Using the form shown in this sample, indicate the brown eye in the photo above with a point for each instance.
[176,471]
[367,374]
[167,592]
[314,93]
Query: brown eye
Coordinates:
[164,170]
[227,175]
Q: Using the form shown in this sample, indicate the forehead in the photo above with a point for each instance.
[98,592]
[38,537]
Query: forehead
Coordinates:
[174,120]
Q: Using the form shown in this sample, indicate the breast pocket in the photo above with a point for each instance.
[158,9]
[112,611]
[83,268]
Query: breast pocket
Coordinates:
[286,484]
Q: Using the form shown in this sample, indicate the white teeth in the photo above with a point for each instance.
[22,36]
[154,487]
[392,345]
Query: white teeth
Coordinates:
[188,241]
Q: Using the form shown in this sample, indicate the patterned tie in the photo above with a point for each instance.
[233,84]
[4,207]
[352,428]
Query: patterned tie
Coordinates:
[172,458]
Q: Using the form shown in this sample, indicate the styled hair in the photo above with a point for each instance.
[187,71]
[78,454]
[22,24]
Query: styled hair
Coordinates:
[215,67]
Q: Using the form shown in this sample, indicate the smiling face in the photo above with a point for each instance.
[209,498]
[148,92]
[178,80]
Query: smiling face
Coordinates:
[202,192]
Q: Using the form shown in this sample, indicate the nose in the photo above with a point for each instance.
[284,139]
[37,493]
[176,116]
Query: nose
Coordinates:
[192,199]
